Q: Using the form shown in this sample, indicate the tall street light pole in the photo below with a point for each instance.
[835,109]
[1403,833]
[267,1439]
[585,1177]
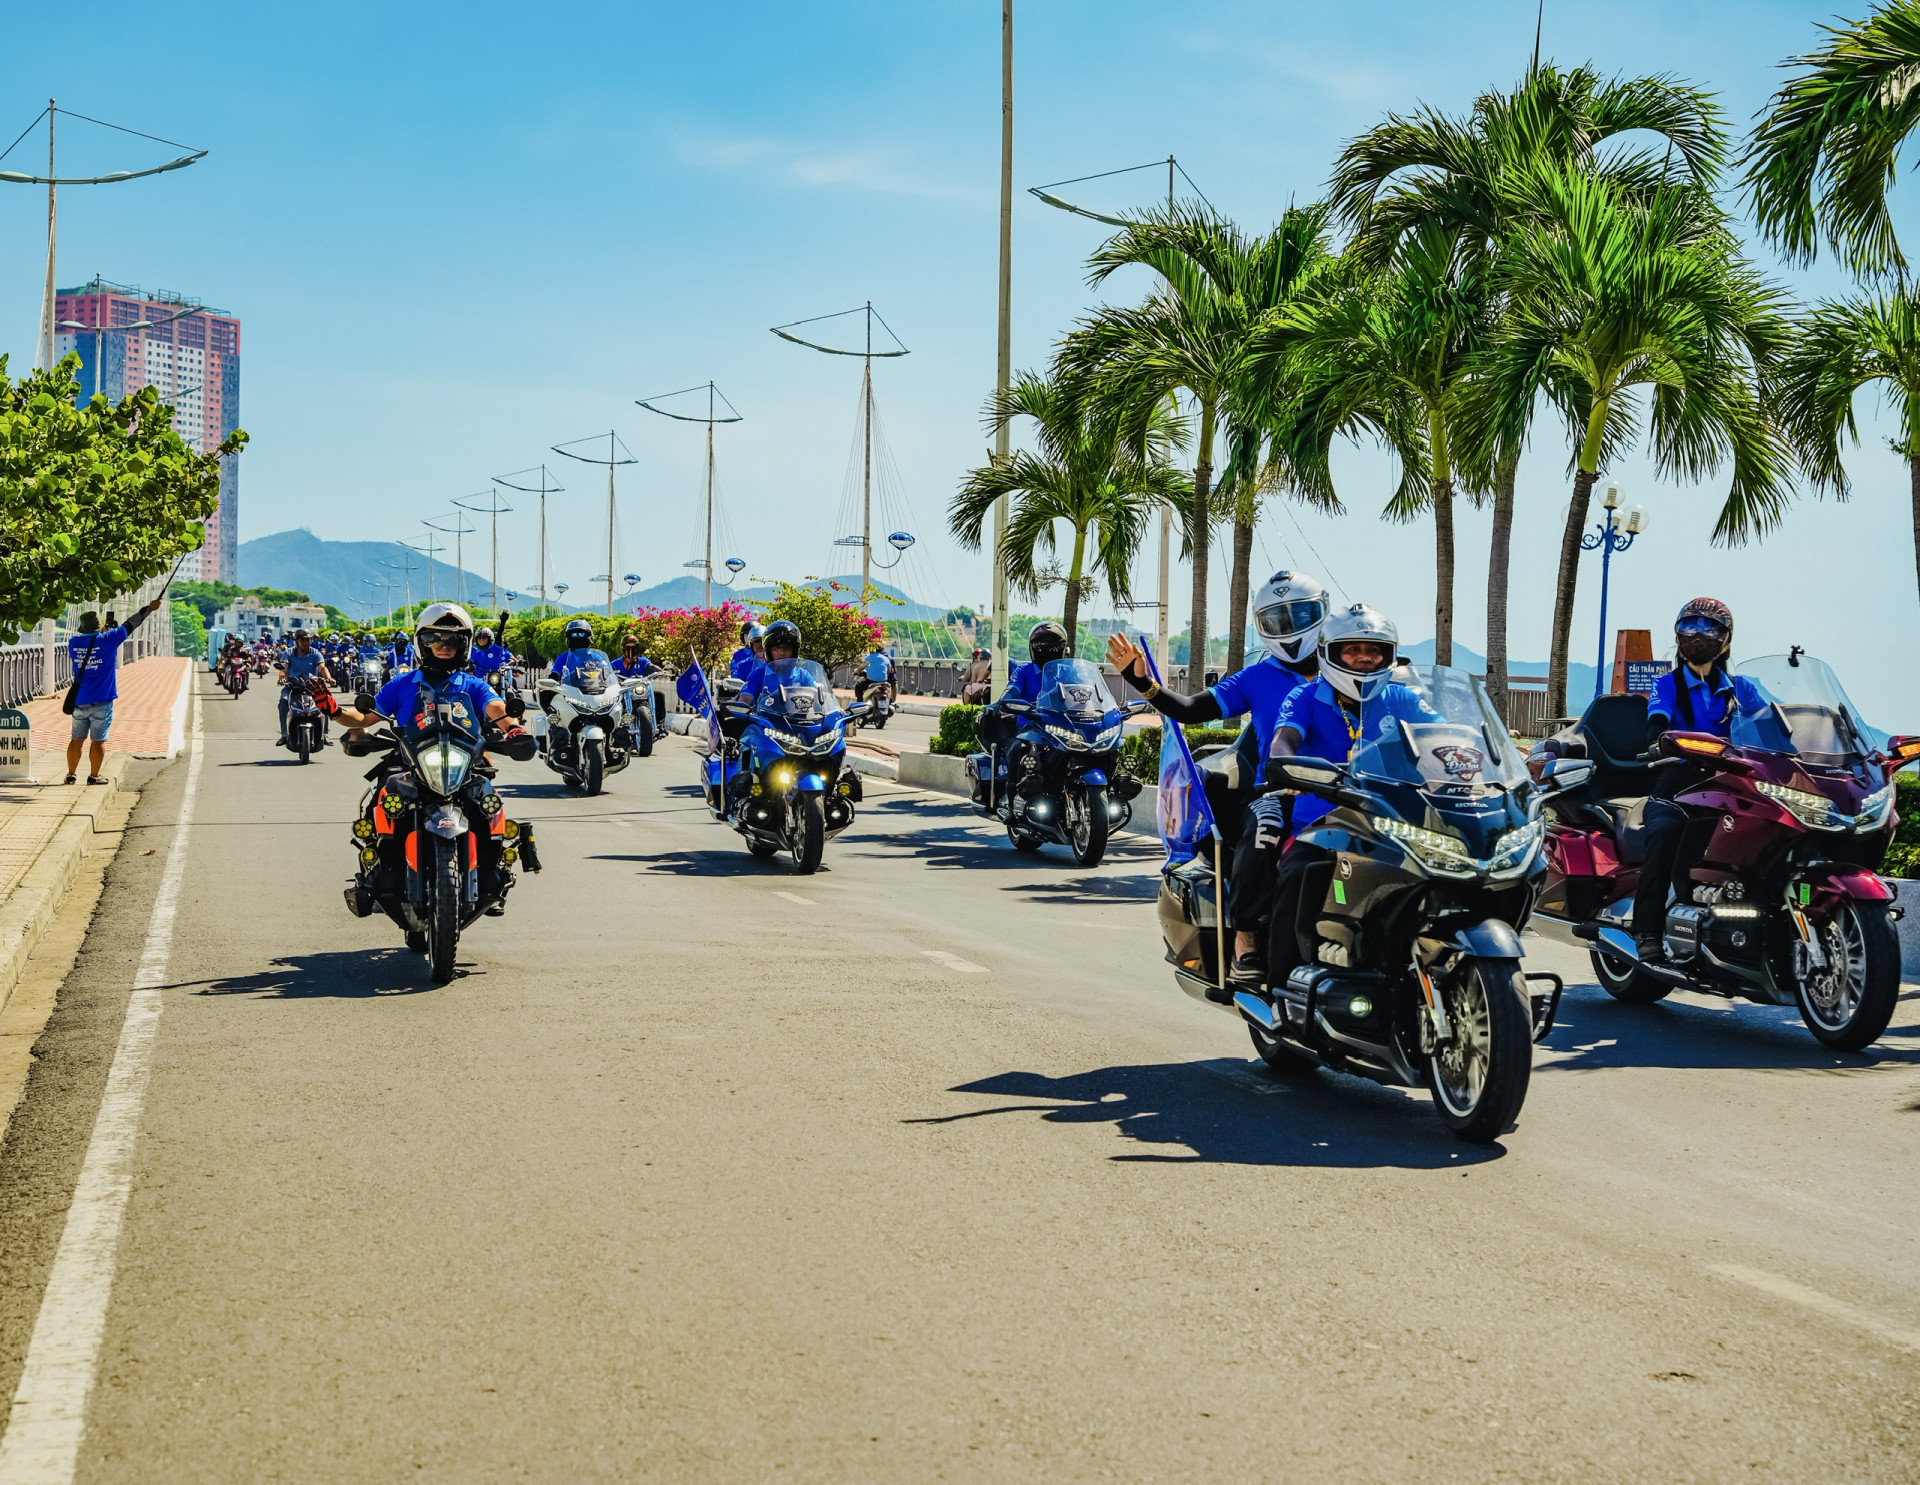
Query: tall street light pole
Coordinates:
[1002,631]
[493,510]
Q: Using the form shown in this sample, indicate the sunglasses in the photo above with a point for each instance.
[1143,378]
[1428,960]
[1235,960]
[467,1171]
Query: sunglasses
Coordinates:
[1699,626]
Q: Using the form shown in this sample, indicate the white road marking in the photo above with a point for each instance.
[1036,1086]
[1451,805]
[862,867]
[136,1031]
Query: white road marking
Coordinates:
[42,1442]
[796,897]
[1813,1299]
[954,961]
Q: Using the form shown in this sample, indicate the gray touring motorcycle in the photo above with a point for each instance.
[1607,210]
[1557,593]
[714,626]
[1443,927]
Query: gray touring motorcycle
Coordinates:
[1414,975]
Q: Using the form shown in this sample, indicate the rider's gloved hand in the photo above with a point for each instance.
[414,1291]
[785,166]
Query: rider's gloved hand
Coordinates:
[517,743]
[323,699]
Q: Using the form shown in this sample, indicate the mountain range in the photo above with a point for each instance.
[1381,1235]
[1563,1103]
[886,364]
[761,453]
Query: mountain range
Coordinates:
[353,576]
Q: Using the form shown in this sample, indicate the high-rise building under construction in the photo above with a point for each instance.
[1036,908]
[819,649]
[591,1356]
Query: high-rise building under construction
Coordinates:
[190,355]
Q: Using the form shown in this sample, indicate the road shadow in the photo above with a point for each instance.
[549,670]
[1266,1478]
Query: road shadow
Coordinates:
[1602,1033]
[1234,1113]
[719,863]
[346,974]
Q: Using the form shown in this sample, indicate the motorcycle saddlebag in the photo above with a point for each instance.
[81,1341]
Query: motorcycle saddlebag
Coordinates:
[1186,911]
[981,768]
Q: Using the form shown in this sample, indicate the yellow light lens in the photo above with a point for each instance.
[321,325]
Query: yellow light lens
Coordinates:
[363,829]
[508,855]
[1711,745]
[511,830]
[1908,749]
[369,858]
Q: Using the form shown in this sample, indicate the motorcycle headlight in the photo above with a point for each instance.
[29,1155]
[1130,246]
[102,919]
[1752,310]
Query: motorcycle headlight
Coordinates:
[1514,849]
[1067,737]
[829,740]
[1810,809]
[786,740]
[1443,853]
[1873,809]
[1109,737]
[443,767]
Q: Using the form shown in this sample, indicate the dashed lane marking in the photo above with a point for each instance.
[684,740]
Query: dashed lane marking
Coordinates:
[796,897]
[1813,1299]
[955,962]
[42,1442]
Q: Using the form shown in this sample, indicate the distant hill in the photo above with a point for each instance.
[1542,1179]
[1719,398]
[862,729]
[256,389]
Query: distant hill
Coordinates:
[334,572]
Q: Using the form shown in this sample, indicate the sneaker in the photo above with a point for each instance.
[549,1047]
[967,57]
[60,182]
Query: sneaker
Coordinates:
[1651,950]
[70,778]
[1248,969]
[94,778]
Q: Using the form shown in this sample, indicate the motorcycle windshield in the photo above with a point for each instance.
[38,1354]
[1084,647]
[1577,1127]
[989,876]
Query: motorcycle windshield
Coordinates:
[436,715]
[1076,689]
[593,677]
[1435,728]
[1809,713]
[802,696]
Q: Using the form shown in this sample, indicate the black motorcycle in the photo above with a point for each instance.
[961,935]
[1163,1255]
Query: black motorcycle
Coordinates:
[306,723]
[435,846]
[1433,860]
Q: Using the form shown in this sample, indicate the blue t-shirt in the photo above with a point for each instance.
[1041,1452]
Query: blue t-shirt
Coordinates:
[1327,730]
[400,656]
[489,658]
[398,697]
[641,666]
[97,678]
[1259,692]
[878,667]
[371,652]
[302,667]
[1712,705]
[1024,683]
[568,661]
[742,664]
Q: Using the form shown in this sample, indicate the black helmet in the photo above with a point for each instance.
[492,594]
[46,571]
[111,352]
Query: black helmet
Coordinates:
[781,632]
[1046,642]
[579,634]
[1703,631]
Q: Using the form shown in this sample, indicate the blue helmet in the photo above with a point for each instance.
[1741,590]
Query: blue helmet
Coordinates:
[579,634]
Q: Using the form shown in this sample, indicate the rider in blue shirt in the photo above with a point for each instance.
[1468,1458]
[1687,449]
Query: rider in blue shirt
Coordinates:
[1349,707]
[633,664]
[400,654]
[301,665]
[578,653]
[446,640]
[1288,612]
[750,653]
[879,668]
[489,657]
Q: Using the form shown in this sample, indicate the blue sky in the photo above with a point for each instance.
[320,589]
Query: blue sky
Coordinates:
[458,235]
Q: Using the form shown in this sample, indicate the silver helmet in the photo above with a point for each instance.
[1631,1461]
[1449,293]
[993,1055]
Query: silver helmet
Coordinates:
[1287,613]
[1360,624]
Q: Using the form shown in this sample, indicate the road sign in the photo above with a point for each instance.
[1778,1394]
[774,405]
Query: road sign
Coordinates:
[1641,674]
[16,739]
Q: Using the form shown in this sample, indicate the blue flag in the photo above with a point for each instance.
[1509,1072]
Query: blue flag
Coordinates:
[692,688]
[1186,818]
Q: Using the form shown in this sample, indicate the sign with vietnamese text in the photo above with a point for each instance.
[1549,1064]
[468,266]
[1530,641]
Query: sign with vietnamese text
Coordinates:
[1641,674]
[16,742]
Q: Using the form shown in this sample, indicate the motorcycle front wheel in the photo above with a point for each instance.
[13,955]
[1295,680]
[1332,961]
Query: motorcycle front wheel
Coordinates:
[1479,1078]
[301,746]
[1087,824]
[443,913]
[810,839]
[1848,1005]
[593,765]
[643,733]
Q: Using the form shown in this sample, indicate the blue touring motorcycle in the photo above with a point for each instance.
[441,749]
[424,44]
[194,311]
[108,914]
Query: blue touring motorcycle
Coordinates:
[1057,777]
[784,783]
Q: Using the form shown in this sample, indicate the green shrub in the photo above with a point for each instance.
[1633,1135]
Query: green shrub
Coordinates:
[1140,751]
[1903,856]
[956,734]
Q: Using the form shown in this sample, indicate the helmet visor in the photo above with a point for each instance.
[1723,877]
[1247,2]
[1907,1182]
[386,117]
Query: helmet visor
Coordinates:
[1282,620]
[1700,624]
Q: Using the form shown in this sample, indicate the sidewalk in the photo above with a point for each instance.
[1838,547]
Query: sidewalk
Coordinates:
[148,718]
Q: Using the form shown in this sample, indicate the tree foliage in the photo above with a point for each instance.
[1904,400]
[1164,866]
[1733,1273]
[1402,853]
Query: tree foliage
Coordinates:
[94,499]
[831,631]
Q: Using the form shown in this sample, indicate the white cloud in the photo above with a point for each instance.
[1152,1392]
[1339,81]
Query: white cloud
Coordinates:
[875,169]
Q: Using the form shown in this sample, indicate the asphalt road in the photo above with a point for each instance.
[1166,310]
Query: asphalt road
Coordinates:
[916,1169]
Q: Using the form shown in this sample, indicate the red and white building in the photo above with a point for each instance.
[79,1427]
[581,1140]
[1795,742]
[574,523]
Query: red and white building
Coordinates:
[191,359]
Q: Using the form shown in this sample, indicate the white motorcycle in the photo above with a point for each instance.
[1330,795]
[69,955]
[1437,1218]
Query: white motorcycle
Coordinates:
[586,735]
[373,674]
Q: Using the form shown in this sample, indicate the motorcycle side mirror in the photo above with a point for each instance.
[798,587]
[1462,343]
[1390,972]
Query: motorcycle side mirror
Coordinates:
[1903,750]
[1568,773]
[859,709]
[1134,708]
[1303,773]
[516,706]
[363,701]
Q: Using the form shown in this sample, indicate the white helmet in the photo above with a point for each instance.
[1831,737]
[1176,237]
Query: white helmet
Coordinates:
[443,619]
[1359,624]
[1287,613]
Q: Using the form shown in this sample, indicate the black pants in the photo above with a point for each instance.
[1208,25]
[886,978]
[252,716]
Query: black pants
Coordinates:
[1298,892]
[1254,865]
[1662,838]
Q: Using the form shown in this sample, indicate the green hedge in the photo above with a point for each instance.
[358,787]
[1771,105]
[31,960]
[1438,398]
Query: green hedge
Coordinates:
[956,734]
[1140,751]
[1903,856]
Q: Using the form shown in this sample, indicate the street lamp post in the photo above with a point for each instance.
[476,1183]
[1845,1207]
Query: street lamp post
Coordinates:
[1002,619]
[493,510]
[98,332]
[406,572]
[1609,537]
[545,488]
[458,530]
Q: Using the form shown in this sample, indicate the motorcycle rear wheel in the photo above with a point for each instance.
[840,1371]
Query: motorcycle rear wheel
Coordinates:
[443,913]
[1480,1080]
[1024,840]
[1087,824]
[811,840]
[1279,1055]
[1627,983]
[1863,952]
[593,765]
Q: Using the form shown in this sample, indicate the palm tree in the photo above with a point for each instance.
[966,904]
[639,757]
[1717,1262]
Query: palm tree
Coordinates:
[1410,174]
[1825,151]
[1844,345]
[1195,334]
[1610,291]
[1100,473]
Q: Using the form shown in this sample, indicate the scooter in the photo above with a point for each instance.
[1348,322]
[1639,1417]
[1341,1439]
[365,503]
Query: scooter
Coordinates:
[306,723]
[1415,972]
[1791,816]
[1058,777]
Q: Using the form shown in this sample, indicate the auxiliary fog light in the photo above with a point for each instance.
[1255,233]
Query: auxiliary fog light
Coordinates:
[780,777]
[1040,809]
[363,829]
[369,858]
[1116,807]
[1359,1008]
[511,829]
[508,855]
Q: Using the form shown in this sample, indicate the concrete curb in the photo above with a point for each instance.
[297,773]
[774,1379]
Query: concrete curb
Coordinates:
[1907,893]
[29,909]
